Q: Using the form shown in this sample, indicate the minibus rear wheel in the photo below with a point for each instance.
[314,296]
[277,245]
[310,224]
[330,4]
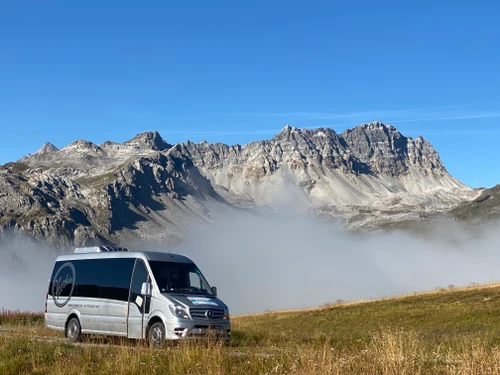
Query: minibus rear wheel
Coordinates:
[156,334]
[73,330]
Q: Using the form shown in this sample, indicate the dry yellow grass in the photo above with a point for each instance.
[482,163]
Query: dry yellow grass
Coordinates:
[397,352]
[453,331]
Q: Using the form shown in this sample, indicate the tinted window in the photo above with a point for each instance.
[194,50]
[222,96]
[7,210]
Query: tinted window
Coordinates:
[115,276]
[104,278]
[87,281]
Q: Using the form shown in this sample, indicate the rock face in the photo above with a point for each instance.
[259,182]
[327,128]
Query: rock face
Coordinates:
[361,166]
[149,140]
[149,189]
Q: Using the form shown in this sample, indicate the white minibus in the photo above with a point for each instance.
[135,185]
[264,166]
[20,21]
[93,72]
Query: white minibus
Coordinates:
[136,294]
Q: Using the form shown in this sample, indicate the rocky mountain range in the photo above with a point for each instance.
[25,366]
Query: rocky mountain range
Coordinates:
[366,177]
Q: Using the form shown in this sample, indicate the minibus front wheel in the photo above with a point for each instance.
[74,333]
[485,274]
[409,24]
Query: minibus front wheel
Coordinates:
[73,330]
[156,334]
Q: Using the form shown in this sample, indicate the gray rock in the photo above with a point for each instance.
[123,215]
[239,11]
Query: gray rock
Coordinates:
[147,189]
[151,140]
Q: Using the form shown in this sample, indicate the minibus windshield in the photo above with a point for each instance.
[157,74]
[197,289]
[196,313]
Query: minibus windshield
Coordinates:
[183,278]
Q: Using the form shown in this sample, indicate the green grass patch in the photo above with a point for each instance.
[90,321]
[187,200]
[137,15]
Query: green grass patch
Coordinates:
[441,317]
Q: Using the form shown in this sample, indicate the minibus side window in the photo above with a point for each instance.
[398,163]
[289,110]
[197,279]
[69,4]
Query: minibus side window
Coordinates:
[87,281]
[114,278]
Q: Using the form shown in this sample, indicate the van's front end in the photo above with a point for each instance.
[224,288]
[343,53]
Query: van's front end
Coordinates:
[190,307]
[194,316]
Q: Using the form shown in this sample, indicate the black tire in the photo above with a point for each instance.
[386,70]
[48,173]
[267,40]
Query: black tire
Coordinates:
[73,330]
[156,334]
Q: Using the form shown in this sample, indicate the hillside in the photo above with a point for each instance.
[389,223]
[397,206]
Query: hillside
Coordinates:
[148,189]
[447,331]
[484,208]
[447,315]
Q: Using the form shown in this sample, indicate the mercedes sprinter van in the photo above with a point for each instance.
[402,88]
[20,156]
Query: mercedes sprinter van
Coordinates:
[135,294]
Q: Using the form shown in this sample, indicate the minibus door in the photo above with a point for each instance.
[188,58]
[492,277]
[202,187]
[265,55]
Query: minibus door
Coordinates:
[138,306]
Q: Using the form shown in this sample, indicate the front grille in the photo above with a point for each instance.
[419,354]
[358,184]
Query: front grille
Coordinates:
[206,314]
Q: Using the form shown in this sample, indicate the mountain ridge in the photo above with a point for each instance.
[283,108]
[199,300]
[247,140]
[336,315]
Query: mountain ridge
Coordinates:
[147,188]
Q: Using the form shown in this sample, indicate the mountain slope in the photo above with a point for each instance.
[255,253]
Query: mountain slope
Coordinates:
[86,193]
[485,207]
[149,189]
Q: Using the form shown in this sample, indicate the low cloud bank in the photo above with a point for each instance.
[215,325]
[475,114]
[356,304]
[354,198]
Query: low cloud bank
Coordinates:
[25,267]
[287,260]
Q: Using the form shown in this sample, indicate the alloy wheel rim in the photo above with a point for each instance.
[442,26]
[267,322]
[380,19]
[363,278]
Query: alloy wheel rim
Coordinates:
[73,329]
[156,335]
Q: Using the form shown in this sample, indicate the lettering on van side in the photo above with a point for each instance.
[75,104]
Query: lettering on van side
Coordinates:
[78,305]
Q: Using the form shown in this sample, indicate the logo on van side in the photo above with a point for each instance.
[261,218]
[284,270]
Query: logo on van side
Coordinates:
[63,284]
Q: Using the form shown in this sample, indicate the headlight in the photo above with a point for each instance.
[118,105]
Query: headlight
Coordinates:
[179,311]
[226,315]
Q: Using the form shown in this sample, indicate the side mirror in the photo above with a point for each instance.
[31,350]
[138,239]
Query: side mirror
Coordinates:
[146,289]
[214,290]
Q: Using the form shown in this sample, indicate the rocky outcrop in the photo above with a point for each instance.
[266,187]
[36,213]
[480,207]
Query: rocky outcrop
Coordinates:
[149,189]
[151,140]
[46,148]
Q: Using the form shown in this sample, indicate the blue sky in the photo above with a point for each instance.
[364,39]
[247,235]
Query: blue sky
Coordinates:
[234,72]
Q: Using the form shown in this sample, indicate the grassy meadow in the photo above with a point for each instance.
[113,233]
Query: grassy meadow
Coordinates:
[447,331]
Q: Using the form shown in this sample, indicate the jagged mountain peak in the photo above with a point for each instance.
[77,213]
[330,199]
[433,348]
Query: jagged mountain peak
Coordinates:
[288,128]
[82,145]
[46,148]
[377,125]
[421,139]
[149,139]
[288,132]
[374,127]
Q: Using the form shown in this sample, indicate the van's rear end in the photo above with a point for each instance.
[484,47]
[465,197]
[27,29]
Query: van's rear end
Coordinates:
[59,291]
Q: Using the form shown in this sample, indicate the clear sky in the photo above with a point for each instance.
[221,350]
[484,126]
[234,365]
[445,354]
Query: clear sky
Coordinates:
[237,71]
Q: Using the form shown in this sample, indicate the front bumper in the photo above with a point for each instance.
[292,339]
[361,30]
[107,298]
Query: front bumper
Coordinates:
[199,330]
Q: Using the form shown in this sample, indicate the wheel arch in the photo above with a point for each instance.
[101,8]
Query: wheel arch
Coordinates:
[153,320]
[156,316]
[72,315]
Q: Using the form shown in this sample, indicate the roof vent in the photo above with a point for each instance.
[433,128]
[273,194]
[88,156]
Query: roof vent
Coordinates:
[98,249]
